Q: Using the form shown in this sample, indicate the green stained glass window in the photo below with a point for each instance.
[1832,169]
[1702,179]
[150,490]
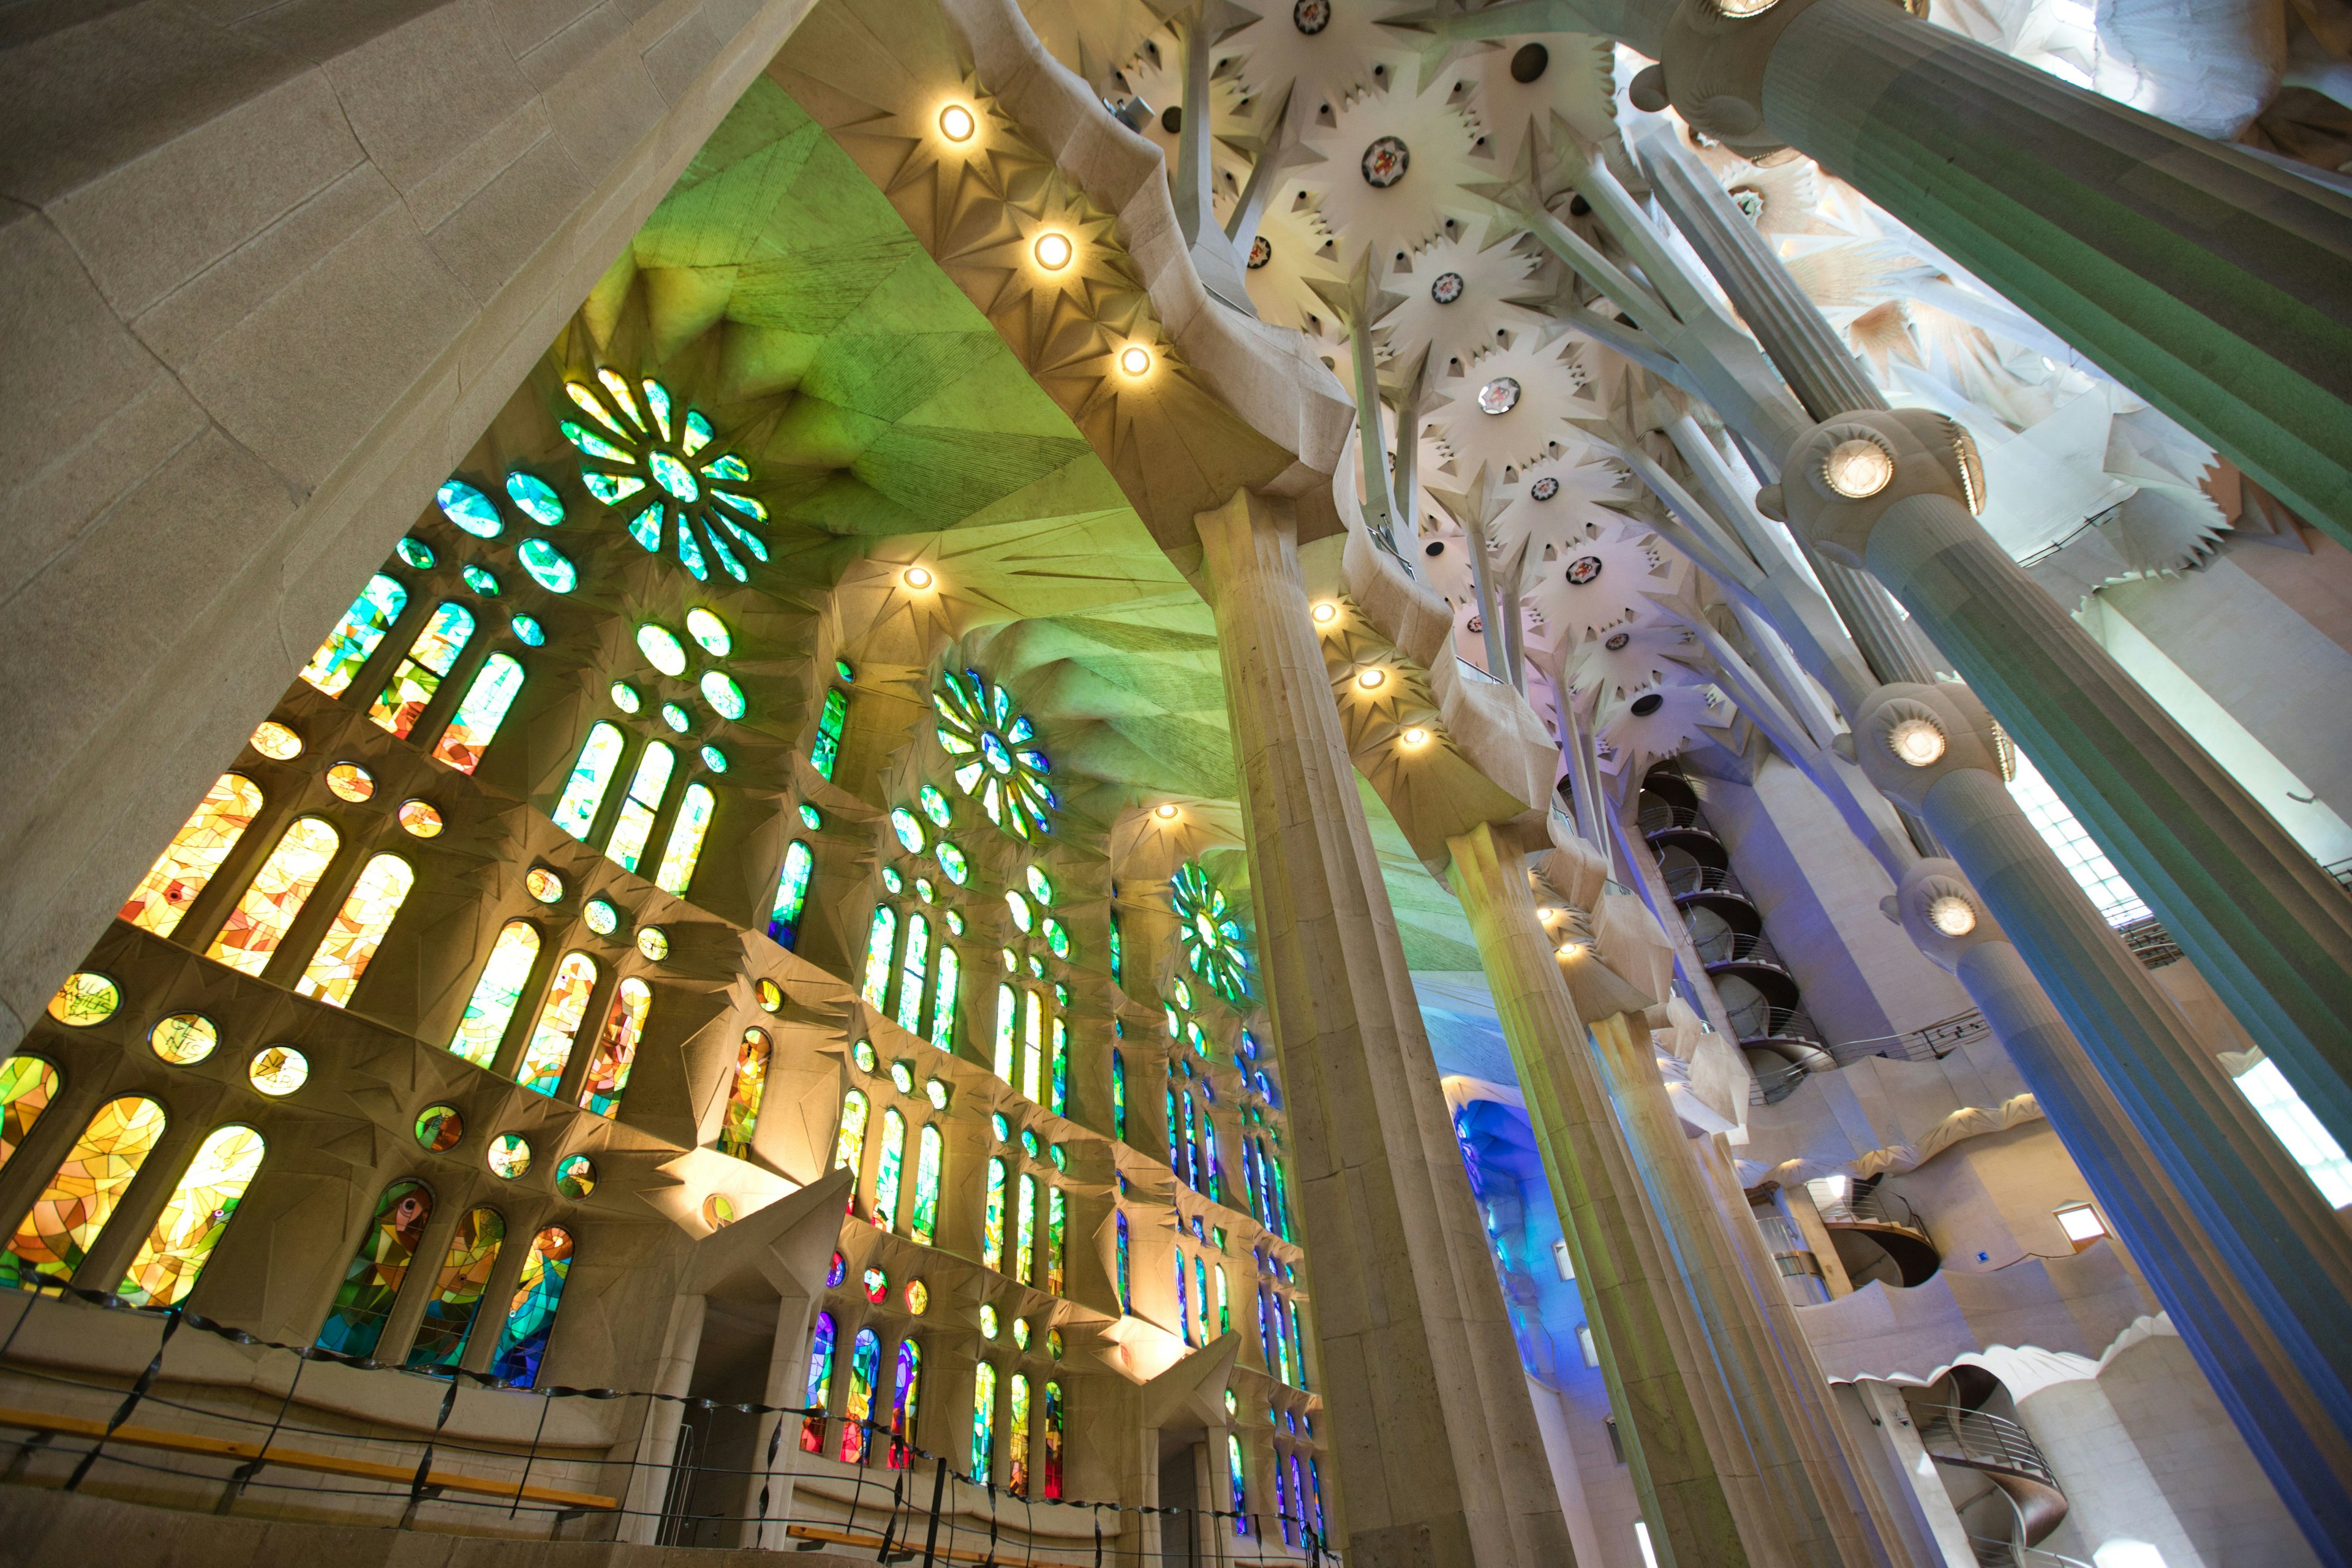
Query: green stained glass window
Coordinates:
[470,510]
[661,647]
[1117,1095]
[372,1279]
[849,1146]
[1033,1043]
[458,1293]
[435,652]
[992,1222]
[725,697]
[526,630]
[943,998]
[1117,958]
[626,698]
[792,893]
[911,974]
[710,632]
[810,817]
[1007,1020]
[888,1168]
[480,713]
[415,552]
[1024,1228]
[1040,887]
[1057,1240]
[536,497]
[952,862]
[910,831]
[934,805]
[1233,1468]
[827,752]
[881,937]
[348,647]
[892,881]
[983,1419]
[647,787]
[1058,1099]
[677,718]
[549,567]
[1056,937]
[686,837]
[531,1313]
[929,1154]
[27,1085]
[481,580]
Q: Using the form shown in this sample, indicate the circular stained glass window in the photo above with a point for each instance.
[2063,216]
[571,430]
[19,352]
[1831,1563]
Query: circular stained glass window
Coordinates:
[811,818]
[185,1039]
[934,805]
[714,759]
[1021,1333]
[1543,489]
[439,1128]
[536,497]
[998,1125]
[509,1155]
[482,580]
[542,884]
[936,1091]
[955,923]
[626,698]
[718,1210]
[575,1177]
[1056,937]
[661,647]
[989,746]
[350,782]
[549,567]
[602,917]
[771,994]
[724,694]
[1499,396]
[1311,16]
[1385,162]
[952,862]
[988,1324]
[87,997]
[470,510]
[1615,642]
[276,742]
[415,553]
[892,881]
[1210,930]
[1583,570]
[910,831]
[877,1283]
[280,1071]
[1029,1141]
[1749,201]
[902,1077]
[1447,287]
[709,630]
[528,631]
[420,819]
[1041,885]
[835,1272]
[677,718]
[924,890]
[918,1297]
[1261,252]
[862,1053]
[654,942]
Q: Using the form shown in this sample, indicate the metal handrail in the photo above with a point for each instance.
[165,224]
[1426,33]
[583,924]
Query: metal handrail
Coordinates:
[1875,1207]
[1986,1438]
[1664,819]
[1738,946]
[1992,1553]
[1776,1081]
[1761,1021]
[2149,942]
[1684,881]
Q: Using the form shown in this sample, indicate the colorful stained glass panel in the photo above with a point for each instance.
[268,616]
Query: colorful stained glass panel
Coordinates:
[277,894]
[195,852]
[458,1293]
[483,709]
[550,1046]
[355,1322]
[359,929]
[617,1049]
[347,648]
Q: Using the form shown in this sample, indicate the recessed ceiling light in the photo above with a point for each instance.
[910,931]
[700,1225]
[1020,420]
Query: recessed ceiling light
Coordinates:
[917,578]
[1135,359]
[956,122]
[1053,251]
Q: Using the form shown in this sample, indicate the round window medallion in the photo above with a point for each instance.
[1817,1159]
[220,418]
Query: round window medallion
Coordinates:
[280,1070]
[1583,570]
[1261,252]
[718,1210]
[1749,201]
[419,818]
[837,1272]
[439,1128]
[1385,162]
[87,997]
[575,1178]
[1617,641]
[185,1039]
[1543,489]
[276,742]
[1499,396]
[544,885]
[350,782]
[510,1156]
[1311,17]
[1447,289]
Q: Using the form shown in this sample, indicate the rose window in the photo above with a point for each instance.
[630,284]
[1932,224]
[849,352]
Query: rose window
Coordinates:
[644,446]
[992,757]
[1213,942]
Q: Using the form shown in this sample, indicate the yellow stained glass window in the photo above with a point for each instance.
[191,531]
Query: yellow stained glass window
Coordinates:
[496,993]
[275,897]
[743,1100]
[457,1294]
[430,658]
[172,1257]
[849,1147]
[195,852]
[27,1085]
[82,1195]
[358,931]
[616,1047]
[550,1046]
[686,837]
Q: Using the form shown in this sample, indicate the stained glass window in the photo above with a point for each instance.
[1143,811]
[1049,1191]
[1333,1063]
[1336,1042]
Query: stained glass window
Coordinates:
[1024,1228]
[1298,1492]
[1017,1445]
[1033,1043]
[1058,1239]
[686,837]
[1191,1145]
[819,1393]
[370,1285]
[82,1195]
[1201,1293]
[1290,1314]
[480,713]
[1224,1304]
[549,1050]
[458,1293]
[430,658]
[1275,1362]
[1052,1439]
[1120,1269]
[275,896]
[358,931]
[616,1047]
[888,1166]
[864,1368]
[195,852]
[825,755]
[792,893]
[1058,1078]
[987,746]
[345,652]
[880,937]
[983,1419]
[1007,1006]
[27,1085]
[744,1095]
[1216,1187]
[491,1007]
[647,787]
[915,960]
[850,1147]
[906,1402]
[992,1224]
[929,1151]
[591,775]
[1183,1301]
[1117,1095]
[172,1257]
[943,998]
[1241,1487]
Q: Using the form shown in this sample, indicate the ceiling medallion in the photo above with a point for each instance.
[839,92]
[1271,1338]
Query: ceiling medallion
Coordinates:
[1311,17]
[1384,160]
[1544,488]
[1261,252]
[1447,289]
[1617,641]
[1583,570]
[1476,624]
[1649,702]
[1499,396]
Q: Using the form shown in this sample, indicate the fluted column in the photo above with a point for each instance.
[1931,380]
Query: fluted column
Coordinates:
[1438,1457]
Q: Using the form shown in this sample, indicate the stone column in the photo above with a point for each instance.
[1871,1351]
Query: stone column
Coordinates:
[788,1360]
[1931,1503]
[1435,1445]
[656,1441]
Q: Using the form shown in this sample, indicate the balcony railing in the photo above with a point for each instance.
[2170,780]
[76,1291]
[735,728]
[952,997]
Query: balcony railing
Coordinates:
[1761,1021]
[1738,947]
[1876,1206]
[1684,881]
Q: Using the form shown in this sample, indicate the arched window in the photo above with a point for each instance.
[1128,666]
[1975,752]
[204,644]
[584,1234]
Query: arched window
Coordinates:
[373,1281]
[491,1007]
[1282,1495]
[743,1097]
[1241,1487]
[275,897]
[430,658]
[887,1167]
[849,1147]
[1224,1304]
[1201,1293]
[991,1220]
[1007,1019]
[881,938]
[983,1419]
[1052,1435]
[1183,1301]
[1059,1078]
[195,852]
[27,1085]
[530,1316]
[792,894]
[910,973]
[1280,1202]
[865,1367]
[827,752]
[820,1384]
[1016,1436]
[358,931]
[906,1402]
[480,713]
[647,787]
[1119,1269]
[549,1050]
[1117,1095]
[1250,1182]
[943,999]
[925,1227]
[591,775]
[1033,1043]
[457,1294]
[1192,1144]
[1024,1228]
[616,1047]
[686,837]
[1117,955]
[1277,1352]
[1315,1482]
[347,648]
[1058,1239]
[1209,1157]
[1297,1343]
[81,1197]
[172,1258]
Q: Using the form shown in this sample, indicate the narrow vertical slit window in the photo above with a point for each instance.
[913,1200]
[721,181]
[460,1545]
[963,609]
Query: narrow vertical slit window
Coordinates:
[616,1047]
[458,1293]
[497,993]
[349,646]
[647,787]
[480,713]
[592,776]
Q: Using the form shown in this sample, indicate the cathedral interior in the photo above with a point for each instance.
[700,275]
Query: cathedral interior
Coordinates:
[1162,784]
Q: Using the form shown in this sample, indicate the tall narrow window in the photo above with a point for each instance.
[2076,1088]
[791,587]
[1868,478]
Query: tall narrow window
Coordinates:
[347,648]
[906,1402]
[1201,1293]
[983,1420]
[1117,1095]
[1119,1265]
[1016,1436]
[925,1227]
[686,837]
[172,1258]
[1024,1228]
[1118,956]
[430,658]
[1183,1302]
[1297,1343]
[792,894]
[888,1168]
[458,1293]
[910,973]
[591,775]
[1233,1472]
[195,852]
[275,897]
[355,1322]
[1298,1491]
[881,938]
[1058,1099]
[1274,1363]
[616,1047]
[1282,1503]
[850,1147]
[530,1315]
[992,1222]
[491,1007]
[857,1416]
[1057,1240]
[647,787]
[825,755]
[1209,1156]
[27,1085]
[549,1050]
[943,999]
[1224,1304]
[81,1197]
[1192,1144]
[480,713]
[358,931]
[820,1384]
[743,1097]
[1053,1440]
[1250,1181]
[1033,1045]
[1006,1021]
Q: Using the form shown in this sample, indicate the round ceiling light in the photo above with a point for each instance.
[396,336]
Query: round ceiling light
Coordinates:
[1053,251]
[1952,914]
[917,578]
[1372,679]
[956,122]
[1416,736]
[1135,359]
[1165,811]
[1858,468]
[1918,741]
[1324,612]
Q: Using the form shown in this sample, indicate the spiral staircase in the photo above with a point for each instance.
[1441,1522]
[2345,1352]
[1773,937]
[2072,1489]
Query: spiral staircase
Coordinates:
[1966,1437]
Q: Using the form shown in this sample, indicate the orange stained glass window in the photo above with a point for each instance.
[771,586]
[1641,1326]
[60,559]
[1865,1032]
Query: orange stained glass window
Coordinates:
[195,852]
[549,1050]
[457,1294]
[743,1100]
[345,951]
[616,1047]
[172,1257]
[480,713]
[275,896]
[82,1195]
[430,658]
[496,992]
[27,1084]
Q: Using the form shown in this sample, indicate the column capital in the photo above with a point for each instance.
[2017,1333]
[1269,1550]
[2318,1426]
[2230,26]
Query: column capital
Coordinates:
[1939,910]
[1845,474]
[1711,68]
[1909,737]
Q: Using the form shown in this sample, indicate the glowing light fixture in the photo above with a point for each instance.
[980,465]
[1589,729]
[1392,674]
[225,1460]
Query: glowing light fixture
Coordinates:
[1372,679]
[1165,811]
[1135,359]
[1570,948]
[917,578]
[1545,912]
[1324,612]
[1918,741]
[1416,736]
[1858,468]
[1053,251]
[956,122]
[1952,915]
